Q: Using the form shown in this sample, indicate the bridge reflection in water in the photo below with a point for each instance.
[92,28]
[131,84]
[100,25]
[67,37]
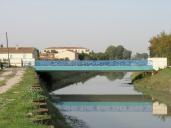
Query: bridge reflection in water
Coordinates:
[110,103]
[100,103]
[105,106]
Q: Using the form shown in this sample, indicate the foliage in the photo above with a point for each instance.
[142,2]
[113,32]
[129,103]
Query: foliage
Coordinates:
[110,53]
[160,46]
[140,56]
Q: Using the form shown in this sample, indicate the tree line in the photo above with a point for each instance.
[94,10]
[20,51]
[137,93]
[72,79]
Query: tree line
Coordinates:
[160,46]
[113,53]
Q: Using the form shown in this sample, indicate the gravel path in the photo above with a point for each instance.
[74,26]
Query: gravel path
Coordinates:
[5,73]
[11,81]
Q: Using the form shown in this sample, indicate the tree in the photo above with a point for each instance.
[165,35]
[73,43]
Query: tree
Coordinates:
[140,56]
[160,46]
[119,52]
[101,56]
[126,54]
[111,52]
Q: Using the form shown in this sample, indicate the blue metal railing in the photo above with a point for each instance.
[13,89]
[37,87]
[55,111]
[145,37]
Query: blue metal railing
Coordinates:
[94,63]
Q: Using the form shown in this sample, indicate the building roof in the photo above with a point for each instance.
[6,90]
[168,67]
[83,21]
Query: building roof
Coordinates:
[66,48]
[18,50]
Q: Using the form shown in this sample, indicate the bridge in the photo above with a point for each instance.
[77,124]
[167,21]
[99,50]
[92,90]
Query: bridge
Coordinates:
[104,106]
[102,103]
[94,65]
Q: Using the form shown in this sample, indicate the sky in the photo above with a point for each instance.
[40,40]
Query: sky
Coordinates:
[94,24]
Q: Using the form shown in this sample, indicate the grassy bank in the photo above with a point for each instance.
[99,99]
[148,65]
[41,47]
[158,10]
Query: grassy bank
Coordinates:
[158,86]
[17,104]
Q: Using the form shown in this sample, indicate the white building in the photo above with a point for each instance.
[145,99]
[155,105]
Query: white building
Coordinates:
[62,49]
[70,55]
[19,56]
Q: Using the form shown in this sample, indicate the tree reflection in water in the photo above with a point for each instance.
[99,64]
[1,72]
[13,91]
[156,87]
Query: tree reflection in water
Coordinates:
[57,80]
[75,122]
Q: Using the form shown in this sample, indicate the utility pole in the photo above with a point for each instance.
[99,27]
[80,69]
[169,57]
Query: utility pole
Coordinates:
[7,48]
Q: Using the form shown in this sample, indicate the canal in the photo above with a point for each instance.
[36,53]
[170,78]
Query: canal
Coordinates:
[105,100]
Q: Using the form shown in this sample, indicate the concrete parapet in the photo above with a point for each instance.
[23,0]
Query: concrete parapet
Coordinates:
[158,63]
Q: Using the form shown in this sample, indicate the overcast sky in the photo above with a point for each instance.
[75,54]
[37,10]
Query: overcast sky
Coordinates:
[94,24]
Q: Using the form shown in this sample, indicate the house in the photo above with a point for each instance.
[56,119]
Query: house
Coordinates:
[62,49]
[19,56]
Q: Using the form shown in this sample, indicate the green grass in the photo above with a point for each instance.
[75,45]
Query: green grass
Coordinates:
[16,103]
[2,82]
[158,86]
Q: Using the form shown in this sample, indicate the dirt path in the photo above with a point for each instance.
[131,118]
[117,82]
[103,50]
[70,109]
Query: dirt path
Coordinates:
[11,81]
[5,74]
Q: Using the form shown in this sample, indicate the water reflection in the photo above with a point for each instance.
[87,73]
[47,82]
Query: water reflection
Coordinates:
[100,85]
[75,122]
[57,80]
[104,106]
[111,114]
[160,108]
[99,100]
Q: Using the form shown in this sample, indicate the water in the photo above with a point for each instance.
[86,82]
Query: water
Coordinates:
[106,102]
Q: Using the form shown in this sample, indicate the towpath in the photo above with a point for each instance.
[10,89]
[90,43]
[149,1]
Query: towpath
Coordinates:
[11,77]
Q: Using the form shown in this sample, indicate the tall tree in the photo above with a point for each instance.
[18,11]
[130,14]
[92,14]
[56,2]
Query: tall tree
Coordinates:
[160,46]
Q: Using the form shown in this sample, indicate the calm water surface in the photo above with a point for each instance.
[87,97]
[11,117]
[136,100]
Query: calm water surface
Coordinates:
[101,102]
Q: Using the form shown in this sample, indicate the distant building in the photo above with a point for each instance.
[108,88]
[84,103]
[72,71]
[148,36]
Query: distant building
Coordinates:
[19,56]
[65,55]
[62,49]
[46,56]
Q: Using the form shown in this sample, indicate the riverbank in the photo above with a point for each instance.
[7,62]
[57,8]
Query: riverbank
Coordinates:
[16,105]
[157,86]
